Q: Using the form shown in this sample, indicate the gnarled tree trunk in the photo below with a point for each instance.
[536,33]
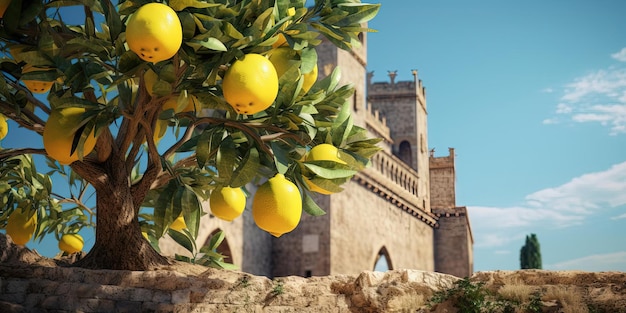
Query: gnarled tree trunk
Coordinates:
[119,243]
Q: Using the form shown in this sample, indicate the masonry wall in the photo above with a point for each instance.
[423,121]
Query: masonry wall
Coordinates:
[306,250]
[363,222]
[442,181]
[454,243]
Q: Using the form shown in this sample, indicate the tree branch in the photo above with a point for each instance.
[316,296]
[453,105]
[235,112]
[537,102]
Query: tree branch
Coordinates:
[91,172]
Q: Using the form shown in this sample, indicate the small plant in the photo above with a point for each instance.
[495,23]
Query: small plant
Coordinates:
[278,288]
[470,297]
[534,305]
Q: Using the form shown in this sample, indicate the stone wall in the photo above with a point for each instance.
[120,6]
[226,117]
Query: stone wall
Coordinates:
[454,243]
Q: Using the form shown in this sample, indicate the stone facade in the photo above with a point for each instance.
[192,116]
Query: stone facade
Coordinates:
[384,211]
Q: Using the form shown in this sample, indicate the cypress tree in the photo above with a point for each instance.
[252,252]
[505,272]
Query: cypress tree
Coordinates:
[530,254]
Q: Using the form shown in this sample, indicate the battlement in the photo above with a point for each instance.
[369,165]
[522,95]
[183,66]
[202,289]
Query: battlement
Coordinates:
[441,162]
[396,90]
[377,124]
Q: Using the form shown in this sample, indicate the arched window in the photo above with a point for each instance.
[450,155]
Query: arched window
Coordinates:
[223,248]
[383,261]
[404,153]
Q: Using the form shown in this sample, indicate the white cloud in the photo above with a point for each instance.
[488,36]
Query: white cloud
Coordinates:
[598,97]
[620,56]
[547,90]
[619,217]
[557,207]
[550,121]
[593,263]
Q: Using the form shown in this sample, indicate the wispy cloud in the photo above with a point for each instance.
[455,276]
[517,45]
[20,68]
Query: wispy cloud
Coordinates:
[598,97]
[593,263]
[562,206]
[619,217]
[620,56]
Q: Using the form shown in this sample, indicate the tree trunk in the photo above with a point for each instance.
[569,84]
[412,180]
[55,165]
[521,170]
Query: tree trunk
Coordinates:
[119,244]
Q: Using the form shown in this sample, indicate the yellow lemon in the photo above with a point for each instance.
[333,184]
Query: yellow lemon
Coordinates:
[58,135]
[154,32]
[324,152]
[20,227]
[36,86]
[227,203]
[71,243]
[250,85]
[277,206]
[179,223]
[4,127]
[145,235]
[284,58]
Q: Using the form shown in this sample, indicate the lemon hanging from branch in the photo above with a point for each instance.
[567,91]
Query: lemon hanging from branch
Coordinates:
[250,85]
[154,32]
[277,206]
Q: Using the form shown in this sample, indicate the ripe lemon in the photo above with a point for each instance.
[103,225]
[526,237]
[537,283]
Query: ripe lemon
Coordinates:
[227,203]
[284,58]
[58,135]
[277,206]
[154,32]
[36,86]
[250,85]
[179,223]
[324,152]
[4,127]
[71,243]
[20,227]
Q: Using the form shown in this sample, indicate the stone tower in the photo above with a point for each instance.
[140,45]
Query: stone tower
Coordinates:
[453,237]
[383,216]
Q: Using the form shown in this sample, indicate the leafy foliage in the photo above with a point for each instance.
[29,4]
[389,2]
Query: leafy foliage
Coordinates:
[470,297]
[79,46]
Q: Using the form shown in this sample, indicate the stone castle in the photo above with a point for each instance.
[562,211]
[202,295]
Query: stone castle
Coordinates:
[398,213]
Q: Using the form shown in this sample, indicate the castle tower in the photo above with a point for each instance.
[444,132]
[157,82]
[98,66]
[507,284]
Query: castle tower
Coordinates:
[404,103]
[453,241]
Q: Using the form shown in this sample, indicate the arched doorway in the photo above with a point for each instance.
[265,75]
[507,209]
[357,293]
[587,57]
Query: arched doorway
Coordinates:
[383,261]
[223,248]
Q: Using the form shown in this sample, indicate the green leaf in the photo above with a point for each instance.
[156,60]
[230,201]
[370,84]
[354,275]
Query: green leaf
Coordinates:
[179,5]
[226,158]
[191,209]
[216,240]
[247,169]
[209,43]
[329,169]
[163,209]
[310,207]
[182,240]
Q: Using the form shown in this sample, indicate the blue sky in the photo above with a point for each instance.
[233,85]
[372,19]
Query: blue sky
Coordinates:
[532,95]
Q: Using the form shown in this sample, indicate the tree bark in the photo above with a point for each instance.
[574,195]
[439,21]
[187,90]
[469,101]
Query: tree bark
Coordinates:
[119,244]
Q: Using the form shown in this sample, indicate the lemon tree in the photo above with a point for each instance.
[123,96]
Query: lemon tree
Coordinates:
[145,110]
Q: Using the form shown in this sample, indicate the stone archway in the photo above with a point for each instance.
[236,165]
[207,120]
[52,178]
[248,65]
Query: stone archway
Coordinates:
[223,248]
[383,261]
